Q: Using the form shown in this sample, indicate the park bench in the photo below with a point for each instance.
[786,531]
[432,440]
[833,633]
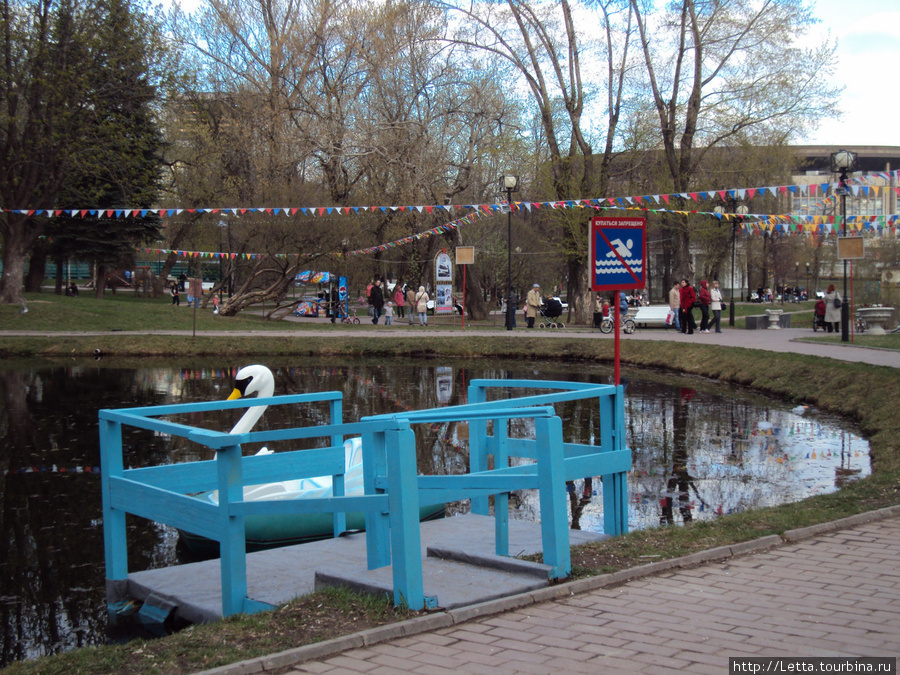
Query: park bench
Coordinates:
[650,315]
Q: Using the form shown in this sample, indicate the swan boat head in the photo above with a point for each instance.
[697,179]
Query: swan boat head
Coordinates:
[248,381]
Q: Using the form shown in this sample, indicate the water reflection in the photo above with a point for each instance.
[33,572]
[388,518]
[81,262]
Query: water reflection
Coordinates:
[699,450]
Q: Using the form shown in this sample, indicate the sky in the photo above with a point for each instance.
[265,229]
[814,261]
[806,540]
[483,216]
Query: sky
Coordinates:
[868,34]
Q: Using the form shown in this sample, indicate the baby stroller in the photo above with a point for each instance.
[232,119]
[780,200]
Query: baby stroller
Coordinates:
[550,311]
[819,315]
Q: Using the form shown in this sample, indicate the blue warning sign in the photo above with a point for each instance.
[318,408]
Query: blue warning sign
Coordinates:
[618,251]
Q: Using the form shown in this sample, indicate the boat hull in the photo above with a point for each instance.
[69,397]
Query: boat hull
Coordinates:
[265,532]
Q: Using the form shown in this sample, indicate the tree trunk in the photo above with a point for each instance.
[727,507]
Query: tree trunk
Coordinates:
[100,281]
[37,265]
[17,240]
[474,300]
[58,289]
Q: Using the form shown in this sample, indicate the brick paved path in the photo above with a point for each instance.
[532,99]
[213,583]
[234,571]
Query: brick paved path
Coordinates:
[836,594]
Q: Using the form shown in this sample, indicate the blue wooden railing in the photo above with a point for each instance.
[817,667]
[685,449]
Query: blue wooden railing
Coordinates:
[392,490]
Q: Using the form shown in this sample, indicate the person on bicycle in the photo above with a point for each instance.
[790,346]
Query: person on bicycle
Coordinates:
[623,308]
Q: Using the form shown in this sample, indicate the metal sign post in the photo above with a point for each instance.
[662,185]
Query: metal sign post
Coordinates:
[618,249]
[465,256]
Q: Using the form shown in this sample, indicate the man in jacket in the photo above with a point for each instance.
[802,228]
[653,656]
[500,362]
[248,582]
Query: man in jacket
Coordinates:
[675,304]
[376,299]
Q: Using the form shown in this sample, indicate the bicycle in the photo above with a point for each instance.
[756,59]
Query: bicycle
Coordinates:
[344,314]
[606,325]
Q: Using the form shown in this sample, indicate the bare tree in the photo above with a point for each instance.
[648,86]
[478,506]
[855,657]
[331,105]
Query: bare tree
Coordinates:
[726,72]
[549,46]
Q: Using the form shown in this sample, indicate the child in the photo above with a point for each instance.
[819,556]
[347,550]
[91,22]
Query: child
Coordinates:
[388,313]
[216,303]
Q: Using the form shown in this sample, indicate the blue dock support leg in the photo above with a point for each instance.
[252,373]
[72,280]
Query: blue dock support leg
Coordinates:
[501,501]
[406,540]
[478,450]
[337,415]
[115,542]
[552,483]
[233,562]
[378,526]
[615,485]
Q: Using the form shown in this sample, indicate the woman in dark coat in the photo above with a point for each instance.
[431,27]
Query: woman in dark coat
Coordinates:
[688,298]
[705,300]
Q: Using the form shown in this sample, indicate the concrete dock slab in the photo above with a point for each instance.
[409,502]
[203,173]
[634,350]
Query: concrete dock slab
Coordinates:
[277,576]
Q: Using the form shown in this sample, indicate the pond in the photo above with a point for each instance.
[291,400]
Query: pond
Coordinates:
[700,449]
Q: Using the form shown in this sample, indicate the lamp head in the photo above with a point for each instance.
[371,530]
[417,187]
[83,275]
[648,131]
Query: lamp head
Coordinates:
[719,210]
[509,182]
[842,161]
[742,209]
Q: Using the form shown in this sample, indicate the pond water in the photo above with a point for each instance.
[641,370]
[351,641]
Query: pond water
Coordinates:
[700,449]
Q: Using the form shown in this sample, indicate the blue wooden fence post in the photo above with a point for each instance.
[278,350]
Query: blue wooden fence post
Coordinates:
[378,526]
[478,450]
[335,408]
[501,500]
[233,561]
[403,500]
[552,486]
[115,540]
[615,485]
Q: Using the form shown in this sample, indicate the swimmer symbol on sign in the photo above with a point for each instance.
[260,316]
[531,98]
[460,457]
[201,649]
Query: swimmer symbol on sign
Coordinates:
[623,250]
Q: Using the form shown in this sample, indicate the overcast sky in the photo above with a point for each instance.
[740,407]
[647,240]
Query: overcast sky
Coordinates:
[868,34]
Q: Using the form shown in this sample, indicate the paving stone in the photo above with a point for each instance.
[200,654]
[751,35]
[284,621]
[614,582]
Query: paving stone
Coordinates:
[779,602]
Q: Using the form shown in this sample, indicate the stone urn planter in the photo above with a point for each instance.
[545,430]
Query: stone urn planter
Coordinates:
[876,318]
[774,318]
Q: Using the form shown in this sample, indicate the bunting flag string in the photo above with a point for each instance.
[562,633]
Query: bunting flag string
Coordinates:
[215,255]
[751,223]
[858,185]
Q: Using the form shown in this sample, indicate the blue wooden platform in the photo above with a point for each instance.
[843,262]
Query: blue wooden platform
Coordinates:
[193,591]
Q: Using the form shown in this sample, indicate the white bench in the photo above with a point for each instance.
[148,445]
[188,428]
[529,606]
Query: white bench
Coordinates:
[650,315]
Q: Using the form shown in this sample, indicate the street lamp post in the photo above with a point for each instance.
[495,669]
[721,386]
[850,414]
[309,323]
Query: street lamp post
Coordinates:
[740,210]
[509,183]
[843,161]
[807,281]
[796,281]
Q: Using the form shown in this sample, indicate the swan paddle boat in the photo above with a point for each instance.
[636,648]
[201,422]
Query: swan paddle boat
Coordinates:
[265,532]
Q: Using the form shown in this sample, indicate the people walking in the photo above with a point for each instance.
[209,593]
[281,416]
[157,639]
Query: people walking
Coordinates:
[176,299]
[411,303]
[687,299]
[833,304]
[675,303]
[399,301]
[388,313]
[376,299]
[422,306]
[705,300]
[532,305]
[715,306]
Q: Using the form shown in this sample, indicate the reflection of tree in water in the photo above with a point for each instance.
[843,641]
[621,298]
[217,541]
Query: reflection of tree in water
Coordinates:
[51,569]
[680,481]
